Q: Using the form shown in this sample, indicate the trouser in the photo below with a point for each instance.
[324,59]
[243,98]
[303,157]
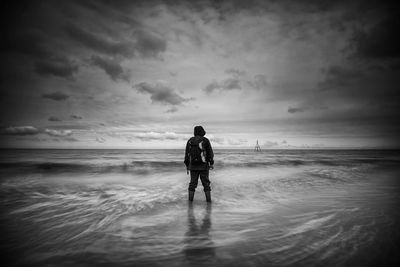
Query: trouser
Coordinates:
[194,178]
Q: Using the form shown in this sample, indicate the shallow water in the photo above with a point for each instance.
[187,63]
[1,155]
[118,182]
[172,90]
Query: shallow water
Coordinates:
[129,208]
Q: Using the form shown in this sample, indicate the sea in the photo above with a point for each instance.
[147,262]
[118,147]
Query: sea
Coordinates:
[130,208]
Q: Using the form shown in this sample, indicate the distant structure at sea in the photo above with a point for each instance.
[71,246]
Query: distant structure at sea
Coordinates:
[257,148]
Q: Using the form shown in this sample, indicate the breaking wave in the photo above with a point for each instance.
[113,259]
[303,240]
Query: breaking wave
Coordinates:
[109,164]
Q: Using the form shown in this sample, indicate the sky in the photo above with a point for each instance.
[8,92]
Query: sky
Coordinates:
[142,74]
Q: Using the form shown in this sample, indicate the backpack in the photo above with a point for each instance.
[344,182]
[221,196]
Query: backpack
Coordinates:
[197,152]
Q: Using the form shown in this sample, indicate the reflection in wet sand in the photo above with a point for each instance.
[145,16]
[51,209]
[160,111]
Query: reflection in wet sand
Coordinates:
[199,248]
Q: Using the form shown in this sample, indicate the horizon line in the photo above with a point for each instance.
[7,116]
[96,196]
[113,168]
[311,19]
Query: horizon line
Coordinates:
[214,148]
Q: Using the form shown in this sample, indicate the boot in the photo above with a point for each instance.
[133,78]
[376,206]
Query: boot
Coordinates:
[208,196]
[191,195]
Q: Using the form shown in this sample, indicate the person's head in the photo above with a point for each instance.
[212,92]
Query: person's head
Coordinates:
[199,130]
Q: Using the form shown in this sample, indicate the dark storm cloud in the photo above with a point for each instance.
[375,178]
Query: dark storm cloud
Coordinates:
[381,41]
[28,42]
[99,43]
[114,10]
[160,93]
[111,67]
[149,44]
[61,67]
[21,130]
[146,43]
[57,96]
[115,31]
[54,118]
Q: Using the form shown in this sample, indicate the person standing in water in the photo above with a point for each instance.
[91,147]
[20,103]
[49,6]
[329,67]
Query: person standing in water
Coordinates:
[199,159]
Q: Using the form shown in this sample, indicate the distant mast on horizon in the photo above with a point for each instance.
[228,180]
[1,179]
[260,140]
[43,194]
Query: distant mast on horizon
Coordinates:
[257,148]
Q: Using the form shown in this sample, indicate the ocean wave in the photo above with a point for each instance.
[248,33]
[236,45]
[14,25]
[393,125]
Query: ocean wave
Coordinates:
[145,167]
[141,167]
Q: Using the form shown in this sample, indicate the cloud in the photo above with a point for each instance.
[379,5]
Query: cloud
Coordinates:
[160,93]
[68,139]
[100,139]
[111,67]
[237,142]
[28,42]
[270,144]
[287,41]
[76,117]
[145,43]
[234,83]
[173,73]
[21,130]
[338,76]
[226,84]
[57,96]
[172,110]
[211,87]
[61,67]
[58,133]
[235,72]
[381,41]
[99,43]
[217,140]
[149,136]
[296,110]
[231,84]
[259,82]
[72,126]
[149,44]
[71,139]
[54,118]
[305,108]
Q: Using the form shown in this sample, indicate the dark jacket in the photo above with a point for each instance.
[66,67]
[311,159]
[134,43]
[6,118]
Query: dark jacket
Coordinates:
[199,136]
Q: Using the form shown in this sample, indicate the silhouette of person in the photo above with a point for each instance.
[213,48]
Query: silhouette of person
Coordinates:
[199,247]
[199,159]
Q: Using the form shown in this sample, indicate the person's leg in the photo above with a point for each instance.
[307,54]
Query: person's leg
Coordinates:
[194,177]
[204,177]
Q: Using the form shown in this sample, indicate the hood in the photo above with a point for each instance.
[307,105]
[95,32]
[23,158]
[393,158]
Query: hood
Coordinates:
[199,131]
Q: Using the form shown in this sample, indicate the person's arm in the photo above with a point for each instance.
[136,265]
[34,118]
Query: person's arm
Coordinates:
[210,153]
[187,159]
